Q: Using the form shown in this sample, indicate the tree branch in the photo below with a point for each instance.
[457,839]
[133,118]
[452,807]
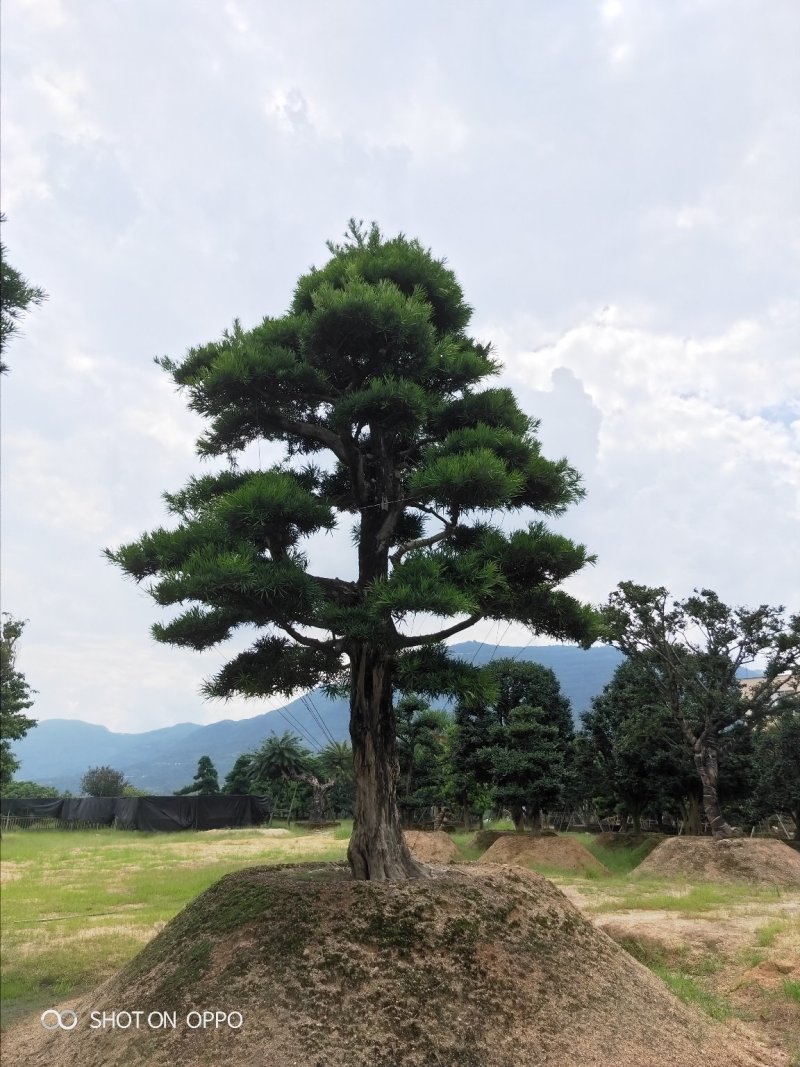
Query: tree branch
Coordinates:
[334,643]
[314,432]
[423,542]
[428,639]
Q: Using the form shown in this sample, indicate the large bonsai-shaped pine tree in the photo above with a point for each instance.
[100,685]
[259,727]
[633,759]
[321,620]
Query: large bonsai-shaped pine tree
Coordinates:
[373,385]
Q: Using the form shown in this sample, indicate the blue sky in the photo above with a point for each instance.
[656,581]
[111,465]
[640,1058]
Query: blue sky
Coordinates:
[613,183]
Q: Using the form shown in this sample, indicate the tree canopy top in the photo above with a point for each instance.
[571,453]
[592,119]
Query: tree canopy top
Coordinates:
[375,388]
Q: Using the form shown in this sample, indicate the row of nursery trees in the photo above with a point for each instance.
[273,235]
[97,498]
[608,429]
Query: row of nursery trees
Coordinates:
[630,759]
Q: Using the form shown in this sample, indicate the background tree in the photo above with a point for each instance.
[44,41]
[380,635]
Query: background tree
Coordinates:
[239,779]
[489,731]
[16,297]
[633,752]
[285,758]
[371,383]
[777,763]
[103,782]
[30,791]
[423,762]
[693,650]
[205,782]
[528,765]
[335,763]
[16,696]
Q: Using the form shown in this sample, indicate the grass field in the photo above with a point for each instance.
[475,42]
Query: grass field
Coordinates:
[77,905]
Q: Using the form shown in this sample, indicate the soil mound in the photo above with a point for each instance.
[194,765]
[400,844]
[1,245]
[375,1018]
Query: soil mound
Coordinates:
[734,859]
[474,967]
[484,839]
[563,852]
[431,846]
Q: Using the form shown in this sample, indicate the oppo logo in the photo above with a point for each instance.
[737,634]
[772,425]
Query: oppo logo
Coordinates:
[58,1020]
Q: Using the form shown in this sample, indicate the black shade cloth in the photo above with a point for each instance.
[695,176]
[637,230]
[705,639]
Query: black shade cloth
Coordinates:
[148,813]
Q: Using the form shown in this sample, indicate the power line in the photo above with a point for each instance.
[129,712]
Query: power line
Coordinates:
[318,719]
[299,728]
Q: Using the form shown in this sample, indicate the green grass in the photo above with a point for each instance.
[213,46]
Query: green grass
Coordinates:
[767,934]
[619,860]
[84,902]
[681,896]
[690,991]
[792,990]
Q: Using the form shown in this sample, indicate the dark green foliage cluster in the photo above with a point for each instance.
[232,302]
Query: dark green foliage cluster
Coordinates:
[16,297]
[631,754]
[515,751]
[30,790]
[103,782]
[205,782]
[777,763]
[16,696]
[423,736]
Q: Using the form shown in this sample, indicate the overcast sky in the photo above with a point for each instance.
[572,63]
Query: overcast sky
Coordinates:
[614,184]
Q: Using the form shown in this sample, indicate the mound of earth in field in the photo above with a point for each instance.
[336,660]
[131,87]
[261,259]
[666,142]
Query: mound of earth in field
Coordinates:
[473,967]
[431,846]
[484,839]
[732,859]
[525,849]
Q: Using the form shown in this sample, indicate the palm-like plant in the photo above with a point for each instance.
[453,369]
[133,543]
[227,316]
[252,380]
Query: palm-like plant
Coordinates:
[336,761]
[284,757]
[279,757]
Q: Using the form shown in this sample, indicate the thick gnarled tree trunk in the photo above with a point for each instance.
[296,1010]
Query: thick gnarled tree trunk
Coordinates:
[378,850]
[706,761]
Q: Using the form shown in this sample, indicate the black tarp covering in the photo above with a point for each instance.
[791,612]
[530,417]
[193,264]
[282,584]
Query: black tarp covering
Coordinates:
[47,809]
[89,809]
[148,813]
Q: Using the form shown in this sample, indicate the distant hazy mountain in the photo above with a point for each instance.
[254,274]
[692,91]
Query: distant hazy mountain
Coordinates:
[58,751]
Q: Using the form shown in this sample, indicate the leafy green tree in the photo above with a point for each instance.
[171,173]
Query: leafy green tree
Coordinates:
[285,758]
[335,763]
[422,755]
[777,762]
[239,779]
[16,296]
[633,750]
[475,729]
[371,374]
[30,791]
[693,650]
[103,782]
[16,696]
[206,781]
[529,766]
[523,756]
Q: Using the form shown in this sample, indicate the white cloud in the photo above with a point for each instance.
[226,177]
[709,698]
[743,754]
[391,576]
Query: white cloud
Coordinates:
[66,93]
[23,168]
[695,452]
[615,187]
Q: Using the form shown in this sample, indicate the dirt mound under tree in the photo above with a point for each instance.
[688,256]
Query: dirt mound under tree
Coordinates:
[563,852]
[733,859]
[474,967]
[431,846]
